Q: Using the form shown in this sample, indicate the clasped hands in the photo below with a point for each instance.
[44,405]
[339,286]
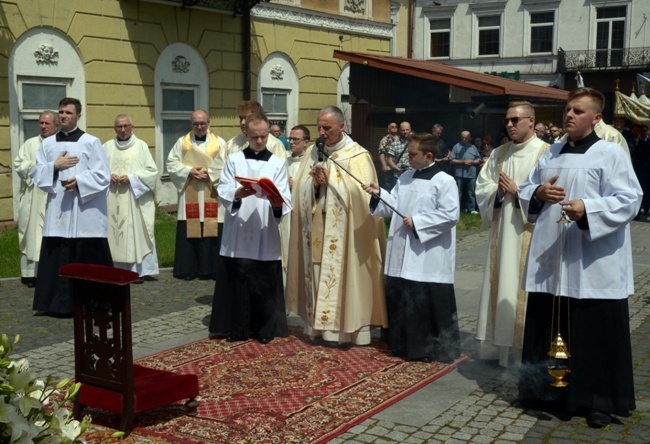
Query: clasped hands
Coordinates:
[506,185]
[200,175]
[551,193]
[116,179]
[319,173]
[374,190]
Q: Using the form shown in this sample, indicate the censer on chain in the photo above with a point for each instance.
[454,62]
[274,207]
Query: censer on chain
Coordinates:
[559,349]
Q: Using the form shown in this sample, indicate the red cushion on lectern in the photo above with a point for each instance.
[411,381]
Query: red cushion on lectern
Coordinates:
[152,388]
[99,273]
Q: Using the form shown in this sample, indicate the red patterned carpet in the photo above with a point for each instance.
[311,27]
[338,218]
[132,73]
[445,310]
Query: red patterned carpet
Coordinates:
[288,391]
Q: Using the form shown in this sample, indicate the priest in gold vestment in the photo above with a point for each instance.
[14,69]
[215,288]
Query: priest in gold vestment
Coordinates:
[335,265]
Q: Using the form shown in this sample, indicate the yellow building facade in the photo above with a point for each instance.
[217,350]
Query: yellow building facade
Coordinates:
[158,60]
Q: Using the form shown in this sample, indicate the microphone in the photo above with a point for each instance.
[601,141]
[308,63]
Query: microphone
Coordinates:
[320,145]
[322,154]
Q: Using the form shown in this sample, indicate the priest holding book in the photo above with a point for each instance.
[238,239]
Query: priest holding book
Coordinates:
[254,190]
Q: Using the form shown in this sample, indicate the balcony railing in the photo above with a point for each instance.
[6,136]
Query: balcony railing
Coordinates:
[603,59]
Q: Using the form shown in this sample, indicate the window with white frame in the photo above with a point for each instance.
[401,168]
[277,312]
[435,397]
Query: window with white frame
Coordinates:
[610,35]
[178,104]
[181,87]
[541,31]
[489,30]
[44,67]
[440,37]
[275,107]
[36,95]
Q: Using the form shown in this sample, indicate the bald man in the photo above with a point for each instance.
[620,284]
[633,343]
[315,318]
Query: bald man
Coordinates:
[32,200]
[193,165]
[464,160]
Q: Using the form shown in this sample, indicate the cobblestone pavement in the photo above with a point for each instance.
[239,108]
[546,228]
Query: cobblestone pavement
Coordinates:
[475,403]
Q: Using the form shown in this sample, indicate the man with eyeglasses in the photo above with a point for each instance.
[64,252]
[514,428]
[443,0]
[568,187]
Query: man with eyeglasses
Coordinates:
[556,134]
[131,202]
[298,141]
[32,200]
[502,305]
[194,164]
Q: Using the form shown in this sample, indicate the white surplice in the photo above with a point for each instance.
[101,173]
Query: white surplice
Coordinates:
[502,306]
[80,213]
[584,264]
[251,230]
[427,254]
[132,209]
[31,208]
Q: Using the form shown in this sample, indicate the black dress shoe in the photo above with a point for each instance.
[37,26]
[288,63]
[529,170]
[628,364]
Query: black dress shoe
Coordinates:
[190,277]
[139,281]
[264,339]
[29,281]
[597,419]
[234,338]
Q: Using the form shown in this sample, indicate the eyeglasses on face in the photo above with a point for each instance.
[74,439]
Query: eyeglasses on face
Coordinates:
[295,139]
[199,123]
[514,120]
[123,127]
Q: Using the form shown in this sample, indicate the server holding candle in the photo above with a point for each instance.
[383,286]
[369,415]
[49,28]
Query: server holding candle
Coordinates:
[587,261]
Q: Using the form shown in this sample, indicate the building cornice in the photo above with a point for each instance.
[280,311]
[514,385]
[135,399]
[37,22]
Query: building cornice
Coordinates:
[294,16]
[488,6]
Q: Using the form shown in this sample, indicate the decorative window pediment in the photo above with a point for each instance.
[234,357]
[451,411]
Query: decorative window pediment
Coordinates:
[490,6]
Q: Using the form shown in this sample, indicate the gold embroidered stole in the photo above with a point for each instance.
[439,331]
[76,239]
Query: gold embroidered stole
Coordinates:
[325,233]
[520,308]
[210,204]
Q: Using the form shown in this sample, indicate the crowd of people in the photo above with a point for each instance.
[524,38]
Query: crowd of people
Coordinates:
[302,230]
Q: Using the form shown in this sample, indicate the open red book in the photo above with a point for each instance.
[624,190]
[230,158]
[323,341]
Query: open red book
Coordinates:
[263,186]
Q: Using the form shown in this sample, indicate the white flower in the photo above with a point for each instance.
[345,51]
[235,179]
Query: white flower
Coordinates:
[23,418]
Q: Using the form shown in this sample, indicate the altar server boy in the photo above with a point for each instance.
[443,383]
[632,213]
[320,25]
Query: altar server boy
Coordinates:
[421,256]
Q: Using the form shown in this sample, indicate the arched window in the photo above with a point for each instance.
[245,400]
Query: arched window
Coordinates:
[181,87]
[44,67]
[278,91]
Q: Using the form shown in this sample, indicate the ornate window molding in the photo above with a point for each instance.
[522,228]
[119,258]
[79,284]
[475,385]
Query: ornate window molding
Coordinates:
[488,7]
[361,8]
[181,65]
[46,55]
[359,26]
